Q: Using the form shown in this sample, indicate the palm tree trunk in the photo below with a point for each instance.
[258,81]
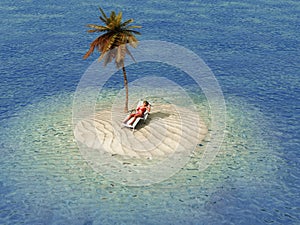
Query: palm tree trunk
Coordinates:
[126,89]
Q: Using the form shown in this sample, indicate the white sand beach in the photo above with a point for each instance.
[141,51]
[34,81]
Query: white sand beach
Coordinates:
[167,130]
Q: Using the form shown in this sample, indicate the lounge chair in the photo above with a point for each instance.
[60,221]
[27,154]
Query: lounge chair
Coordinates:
[138,119]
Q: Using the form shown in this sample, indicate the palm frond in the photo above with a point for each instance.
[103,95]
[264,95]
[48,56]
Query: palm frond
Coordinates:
[89,52]
[109,56]
[122,38]
[98,27]
[103,13]
[133,27]
[107,41]
[111,26]
[131,39]
[101,56]
[133,44]
[119,18]
[102,19]
[112,44]
[106,49]
[113,15]
[93,31]
[134,31]
[129,53]
[91,49]
[126,22]
[120,57]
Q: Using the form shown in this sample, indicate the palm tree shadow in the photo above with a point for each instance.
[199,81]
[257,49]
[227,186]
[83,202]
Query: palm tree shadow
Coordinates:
[153,116]
[159,115]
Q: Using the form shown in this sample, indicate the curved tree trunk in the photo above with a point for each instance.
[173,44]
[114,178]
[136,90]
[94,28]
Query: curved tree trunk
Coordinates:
[126,89]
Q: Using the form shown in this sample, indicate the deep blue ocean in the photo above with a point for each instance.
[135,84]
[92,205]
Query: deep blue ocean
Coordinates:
[252,48]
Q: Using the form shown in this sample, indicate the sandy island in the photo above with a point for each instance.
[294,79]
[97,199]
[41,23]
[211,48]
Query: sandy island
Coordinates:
[168,129]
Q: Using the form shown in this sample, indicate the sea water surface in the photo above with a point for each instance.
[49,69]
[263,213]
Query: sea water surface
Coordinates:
[252,47]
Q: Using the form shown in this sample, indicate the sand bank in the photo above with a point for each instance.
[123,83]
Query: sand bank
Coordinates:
[169,129]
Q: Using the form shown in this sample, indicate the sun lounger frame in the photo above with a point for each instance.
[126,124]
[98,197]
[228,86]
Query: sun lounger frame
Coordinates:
[138,119]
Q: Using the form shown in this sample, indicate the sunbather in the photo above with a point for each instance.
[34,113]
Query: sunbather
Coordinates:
[139,112]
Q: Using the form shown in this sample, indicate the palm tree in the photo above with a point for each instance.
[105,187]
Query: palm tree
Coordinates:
[113,43]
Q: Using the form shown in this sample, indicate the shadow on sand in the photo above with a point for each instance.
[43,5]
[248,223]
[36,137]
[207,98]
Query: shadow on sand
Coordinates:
[152,116]
[159,115]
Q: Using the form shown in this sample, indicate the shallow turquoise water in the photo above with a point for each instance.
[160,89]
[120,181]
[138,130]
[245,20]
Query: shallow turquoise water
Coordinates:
[253,50]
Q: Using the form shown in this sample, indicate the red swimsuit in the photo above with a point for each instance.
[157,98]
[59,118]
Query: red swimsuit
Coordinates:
[141,109]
